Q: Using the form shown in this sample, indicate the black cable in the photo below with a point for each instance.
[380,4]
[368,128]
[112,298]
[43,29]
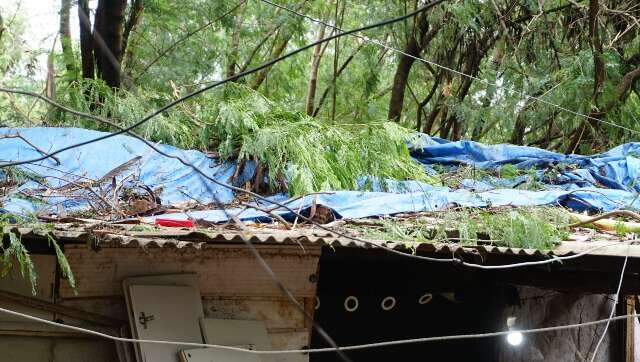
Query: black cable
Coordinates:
[220,183]
[250,245]
[218,204]
[227,80]
[283,205]
[122,130]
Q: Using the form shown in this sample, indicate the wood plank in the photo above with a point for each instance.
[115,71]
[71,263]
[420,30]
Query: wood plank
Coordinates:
[230,271]
[630,334]
[60,309]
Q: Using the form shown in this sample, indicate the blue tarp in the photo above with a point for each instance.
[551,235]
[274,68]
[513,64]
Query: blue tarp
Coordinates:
[600,182]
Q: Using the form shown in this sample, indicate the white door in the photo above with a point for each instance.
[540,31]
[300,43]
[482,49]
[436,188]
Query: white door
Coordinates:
[169,313]
[217,355]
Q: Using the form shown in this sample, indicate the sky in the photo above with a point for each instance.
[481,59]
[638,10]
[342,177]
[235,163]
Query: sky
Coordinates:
[41,23]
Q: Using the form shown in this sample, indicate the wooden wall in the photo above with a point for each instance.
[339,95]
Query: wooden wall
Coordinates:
[232,285]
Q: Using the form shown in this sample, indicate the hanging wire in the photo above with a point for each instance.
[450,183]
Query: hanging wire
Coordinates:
[258,257]
[255,195]
[322,350]
[234,77]
[613,307]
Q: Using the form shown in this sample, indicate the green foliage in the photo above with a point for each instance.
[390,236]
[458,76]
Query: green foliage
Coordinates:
[313,155]
[531,228]
[509,171]
[65,268]
[15,252]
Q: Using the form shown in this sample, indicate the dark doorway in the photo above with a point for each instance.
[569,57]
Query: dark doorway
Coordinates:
[452,304]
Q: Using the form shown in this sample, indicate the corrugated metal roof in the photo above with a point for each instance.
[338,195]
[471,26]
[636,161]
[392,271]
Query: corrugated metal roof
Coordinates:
[126,235]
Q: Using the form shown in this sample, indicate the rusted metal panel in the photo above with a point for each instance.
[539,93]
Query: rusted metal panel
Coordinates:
[306,238]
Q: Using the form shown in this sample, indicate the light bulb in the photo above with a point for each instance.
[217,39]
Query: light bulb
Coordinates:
[514,338]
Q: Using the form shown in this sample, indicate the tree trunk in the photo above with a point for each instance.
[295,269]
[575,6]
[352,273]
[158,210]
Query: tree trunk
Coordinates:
[232,60]
[108,35]
[313,79]
[517,136]
[1,26]
[65,35]
[420,39]
[477,50]
[86,42]
[339,16]
[137,8]
[439,109]
[344,65]
[135,14]
[598,79]
[277,51]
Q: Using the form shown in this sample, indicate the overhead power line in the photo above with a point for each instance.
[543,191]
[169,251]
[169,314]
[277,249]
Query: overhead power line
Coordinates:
[218,204]
[252,248]
[437,65]
[321,350]
[553,259]
[260,197]
[274,278]
[267,64]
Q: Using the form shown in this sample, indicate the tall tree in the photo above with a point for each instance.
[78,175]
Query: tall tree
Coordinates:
[313,78]
[103,49]
[65,35]
[420,37]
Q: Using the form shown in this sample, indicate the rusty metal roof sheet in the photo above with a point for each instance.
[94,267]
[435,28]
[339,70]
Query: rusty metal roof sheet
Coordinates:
[128,235]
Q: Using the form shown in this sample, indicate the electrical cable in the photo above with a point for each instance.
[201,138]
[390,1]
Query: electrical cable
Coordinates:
[613,307]
[294,212]
[388,47]
[199,91]
[323,334]
[227,80]
[249,244]
[321,350]
[367,242]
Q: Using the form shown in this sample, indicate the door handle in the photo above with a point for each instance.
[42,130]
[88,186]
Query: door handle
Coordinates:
[144,319]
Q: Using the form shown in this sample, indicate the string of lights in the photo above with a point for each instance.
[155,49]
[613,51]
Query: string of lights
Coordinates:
[323,350]
[265,266]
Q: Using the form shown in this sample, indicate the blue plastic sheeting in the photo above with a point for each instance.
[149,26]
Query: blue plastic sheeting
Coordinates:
[596,183]
[618,168]
[355,204]
[178,183]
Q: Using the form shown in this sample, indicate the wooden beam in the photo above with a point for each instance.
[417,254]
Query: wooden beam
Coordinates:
[74,313]
[630,354]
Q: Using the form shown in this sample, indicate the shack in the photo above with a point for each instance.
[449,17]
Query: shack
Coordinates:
[359,294]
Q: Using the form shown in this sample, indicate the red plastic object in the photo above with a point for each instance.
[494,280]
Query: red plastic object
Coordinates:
[175,223]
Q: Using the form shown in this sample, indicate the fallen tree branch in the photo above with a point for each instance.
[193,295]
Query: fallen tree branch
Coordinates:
[270,213]
[41,151]
[608,224]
